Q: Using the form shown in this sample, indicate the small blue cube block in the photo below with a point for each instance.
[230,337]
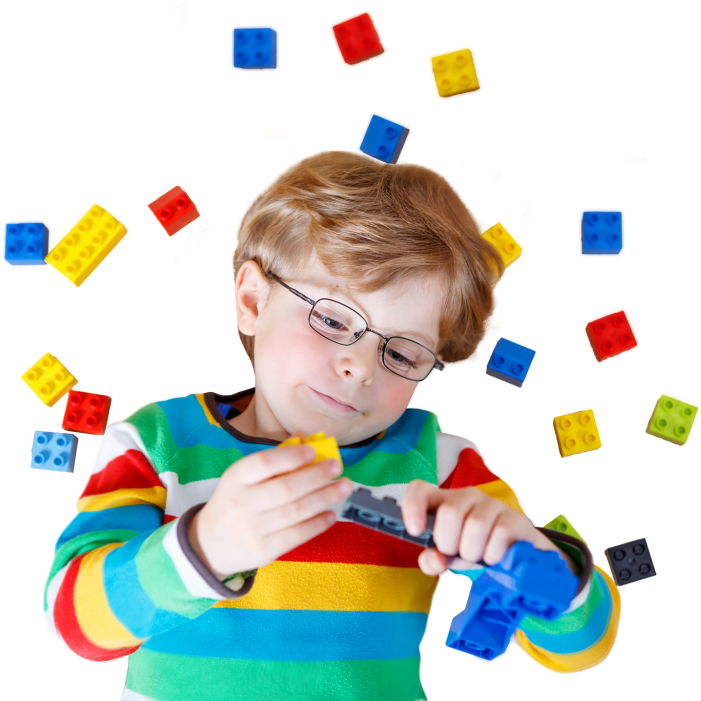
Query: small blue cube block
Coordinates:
[54,451]
[255,48]
[26,244]
[602,232]
[510,362]
[384,140]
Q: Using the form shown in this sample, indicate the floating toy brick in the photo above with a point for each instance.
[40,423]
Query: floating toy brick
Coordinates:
[49,380]
[255,48]
[502,240]
[672,420]
[630,562]
[325,447]
[602,232]
[576,433]
[26,244]
[384,140]
[174,210]
[54,451]
[561,524]
[455,73]
[510,362]
[87,413]
[610,335]
[358,40]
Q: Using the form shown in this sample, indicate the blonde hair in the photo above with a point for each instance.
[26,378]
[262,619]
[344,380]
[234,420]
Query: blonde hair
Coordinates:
[373,224]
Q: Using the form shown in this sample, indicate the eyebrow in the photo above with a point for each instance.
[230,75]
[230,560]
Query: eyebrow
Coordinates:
[422,337]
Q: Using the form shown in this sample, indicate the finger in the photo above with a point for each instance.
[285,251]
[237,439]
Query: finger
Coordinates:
[269,463]
[476,529]
[284,540]
[420,497]
[451,515]
[502,536]
[433,562]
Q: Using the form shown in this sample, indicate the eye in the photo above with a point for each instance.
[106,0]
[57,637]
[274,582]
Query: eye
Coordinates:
[329,322]
[398,358]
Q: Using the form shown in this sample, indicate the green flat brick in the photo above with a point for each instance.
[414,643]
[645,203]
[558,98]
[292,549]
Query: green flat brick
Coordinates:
[560,523]
[672,420]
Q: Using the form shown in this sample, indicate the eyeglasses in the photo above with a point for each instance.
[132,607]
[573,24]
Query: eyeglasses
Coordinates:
[343,325]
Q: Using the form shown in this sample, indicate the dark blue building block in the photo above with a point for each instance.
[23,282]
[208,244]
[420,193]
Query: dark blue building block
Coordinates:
[54,451]
[630,562]
[26,244]
[510,362]
[384,140]
[385,516]
[602,232]
[255,48]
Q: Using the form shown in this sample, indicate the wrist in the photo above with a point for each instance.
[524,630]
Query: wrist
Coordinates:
[193,537]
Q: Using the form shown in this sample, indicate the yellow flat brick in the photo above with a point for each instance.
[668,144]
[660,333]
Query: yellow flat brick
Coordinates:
[49,379]
[86,245]
[576,433]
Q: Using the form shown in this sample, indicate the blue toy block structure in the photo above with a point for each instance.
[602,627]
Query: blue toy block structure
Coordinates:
[602,232]
[26,244]
[527,582]
[384,140]
[510,362]
[255,48]
[54,451]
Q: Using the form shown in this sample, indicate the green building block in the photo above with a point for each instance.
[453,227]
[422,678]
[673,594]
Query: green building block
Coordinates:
[672,420]
[560,523]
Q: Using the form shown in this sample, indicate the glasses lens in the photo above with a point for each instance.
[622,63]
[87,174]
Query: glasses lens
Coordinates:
[343,325]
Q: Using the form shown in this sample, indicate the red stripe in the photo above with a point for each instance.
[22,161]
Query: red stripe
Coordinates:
[469,472]
[130,470]
[168,519]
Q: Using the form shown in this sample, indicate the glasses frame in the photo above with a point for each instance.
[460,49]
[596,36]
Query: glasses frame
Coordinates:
[438,365]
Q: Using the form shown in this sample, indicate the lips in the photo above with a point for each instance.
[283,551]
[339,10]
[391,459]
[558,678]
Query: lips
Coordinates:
[328,396]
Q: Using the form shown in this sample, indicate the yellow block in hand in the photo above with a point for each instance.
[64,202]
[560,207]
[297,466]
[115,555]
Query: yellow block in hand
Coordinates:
[325,447]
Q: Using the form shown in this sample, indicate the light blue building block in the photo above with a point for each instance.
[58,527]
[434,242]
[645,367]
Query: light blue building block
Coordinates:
[510,362]
[54,451]
[602,232]
[255,48]
[26,244]
[384,140]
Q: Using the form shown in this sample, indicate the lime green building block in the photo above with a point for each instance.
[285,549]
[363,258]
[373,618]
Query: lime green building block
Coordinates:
[560,523]
[672,420]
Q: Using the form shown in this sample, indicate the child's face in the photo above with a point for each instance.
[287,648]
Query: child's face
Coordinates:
[294,364]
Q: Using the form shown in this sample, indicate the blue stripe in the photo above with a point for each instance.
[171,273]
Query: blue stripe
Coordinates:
[286,635]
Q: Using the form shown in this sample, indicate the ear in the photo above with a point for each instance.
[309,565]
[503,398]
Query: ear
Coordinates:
[251,294]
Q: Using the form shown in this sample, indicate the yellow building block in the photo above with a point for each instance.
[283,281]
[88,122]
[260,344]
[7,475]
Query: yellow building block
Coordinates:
[502,240]
[576,433]
[49,380]
[86,245]
[672,420]
[455,73]
[325,447]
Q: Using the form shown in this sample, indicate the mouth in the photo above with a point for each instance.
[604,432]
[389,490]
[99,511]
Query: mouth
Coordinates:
[333,404]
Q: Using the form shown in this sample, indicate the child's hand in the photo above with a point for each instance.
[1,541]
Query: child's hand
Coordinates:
[468,522]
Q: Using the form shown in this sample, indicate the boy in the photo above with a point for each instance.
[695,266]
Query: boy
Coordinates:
[223,568]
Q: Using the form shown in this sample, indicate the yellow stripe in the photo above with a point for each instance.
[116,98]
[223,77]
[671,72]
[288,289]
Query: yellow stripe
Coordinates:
[124,497]
[94,615]
[207,412]
[587,659]
[323,586]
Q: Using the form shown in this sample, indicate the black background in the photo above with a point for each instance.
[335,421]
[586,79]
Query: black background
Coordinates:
[119,105]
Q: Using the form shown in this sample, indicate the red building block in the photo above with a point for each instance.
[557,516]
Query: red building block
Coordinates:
[610,336]
[174,210]
[358,40]
[87,413]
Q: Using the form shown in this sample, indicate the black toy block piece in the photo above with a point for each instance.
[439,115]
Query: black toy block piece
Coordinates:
[385,515]
[630,562]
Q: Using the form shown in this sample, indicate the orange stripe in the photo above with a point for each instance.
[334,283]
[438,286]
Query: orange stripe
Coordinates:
[124,497]
[207,412]
[501,491]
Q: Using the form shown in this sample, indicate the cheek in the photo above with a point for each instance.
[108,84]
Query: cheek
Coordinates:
[292,349]
[395,394]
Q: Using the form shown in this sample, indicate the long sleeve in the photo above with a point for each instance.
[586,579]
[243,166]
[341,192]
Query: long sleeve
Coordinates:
[121,574]
[584,635]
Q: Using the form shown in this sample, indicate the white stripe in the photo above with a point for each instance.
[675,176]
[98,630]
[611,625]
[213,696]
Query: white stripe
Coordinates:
[180,497]
[581,597]
[51,594]
[448,448]
[119,437]
[129,695]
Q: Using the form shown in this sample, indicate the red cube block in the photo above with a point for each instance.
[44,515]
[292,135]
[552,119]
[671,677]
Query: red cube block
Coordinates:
[87,413]
[610,336]
[358,40]
[174,210]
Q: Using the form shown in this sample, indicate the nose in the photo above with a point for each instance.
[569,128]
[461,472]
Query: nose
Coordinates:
[362,358]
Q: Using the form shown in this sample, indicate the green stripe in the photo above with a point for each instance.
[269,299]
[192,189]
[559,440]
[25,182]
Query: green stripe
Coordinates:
[182,678]
[201,462]
[153,427]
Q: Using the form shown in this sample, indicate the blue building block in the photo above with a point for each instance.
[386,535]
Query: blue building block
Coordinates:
[510,362]
[54,451]
[602,232]
[384,140]
[26,244]
[255,48]
[527,582]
